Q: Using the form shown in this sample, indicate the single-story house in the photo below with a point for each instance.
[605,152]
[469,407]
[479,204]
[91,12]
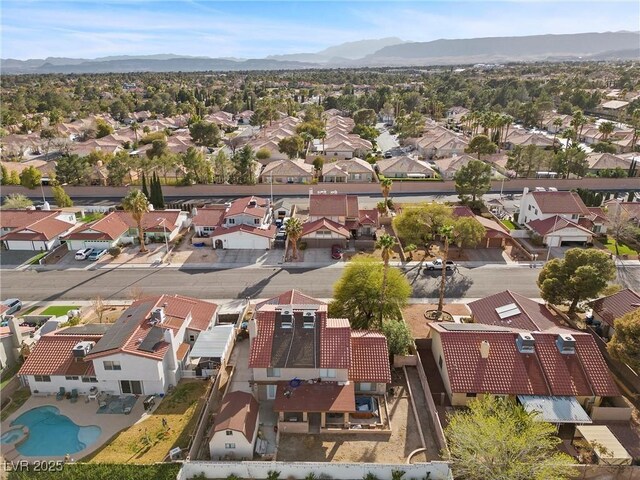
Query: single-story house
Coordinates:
[405,167]
[348,171]
[287,171]
[496,234]
[607,309]
[244,237]
[236,428]
[37,230]
[449,166]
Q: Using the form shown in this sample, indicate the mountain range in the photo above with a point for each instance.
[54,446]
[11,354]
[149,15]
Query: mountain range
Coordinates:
[365,53]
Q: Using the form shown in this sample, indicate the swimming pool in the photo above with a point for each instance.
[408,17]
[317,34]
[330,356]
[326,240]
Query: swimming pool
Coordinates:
[53,434]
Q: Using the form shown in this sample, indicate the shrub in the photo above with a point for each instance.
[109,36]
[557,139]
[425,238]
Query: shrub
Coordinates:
[115,251]
[273,475]
[302,246]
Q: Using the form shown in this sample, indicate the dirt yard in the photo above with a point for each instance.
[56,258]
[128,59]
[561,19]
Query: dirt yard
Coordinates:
[186,253]
[359,447]
[110,315]
[414,316]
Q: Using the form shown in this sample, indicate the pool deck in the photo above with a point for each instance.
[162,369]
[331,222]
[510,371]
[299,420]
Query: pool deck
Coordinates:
[82,413]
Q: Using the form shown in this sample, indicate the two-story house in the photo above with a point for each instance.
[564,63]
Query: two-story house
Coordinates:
[333,216]
[246,224]
[37,230]
[143,352]
[555,217]
[318,373]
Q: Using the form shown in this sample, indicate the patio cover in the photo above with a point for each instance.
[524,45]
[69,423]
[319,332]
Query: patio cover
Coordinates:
[600,435]
[213,343]
[555,409]
[315,397]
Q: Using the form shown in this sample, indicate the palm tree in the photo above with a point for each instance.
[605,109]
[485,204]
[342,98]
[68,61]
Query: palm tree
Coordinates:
[578,122]
[606,129]
[137,205]
[135,126]
[386,184]
[558,124]
[446,231]
[385,243]
[293,229]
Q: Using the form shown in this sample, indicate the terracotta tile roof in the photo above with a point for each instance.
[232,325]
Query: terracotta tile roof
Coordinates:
[262,232]
[553,224]
[33,224]
[153,220]
[316,397]
[210,216]
[242,206]
[52,355]
[369,217]
[533,316]
[560,202]
[463,211]
[506,371]
[324,224]
[290,297]
[369,357]
[109,227]
[260,352]
[182,351]
[335,350]
[333,206]
[14,219]
[239,412]
[616,305]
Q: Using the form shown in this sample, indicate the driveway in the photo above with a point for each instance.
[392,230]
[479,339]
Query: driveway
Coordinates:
[385,140]
[239,257]
[13,258]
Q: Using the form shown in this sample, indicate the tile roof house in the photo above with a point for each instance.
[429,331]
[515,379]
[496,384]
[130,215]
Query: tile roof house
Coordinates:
[607,309]
[478,359]
[405,167]
[606,161]
[627,211]
[236,428]
[310,364]
[246,224]
[449,166]
[37,230]
[206,219]
[344,211]
[555,217]
[287,171]
[354,170]
[496,235]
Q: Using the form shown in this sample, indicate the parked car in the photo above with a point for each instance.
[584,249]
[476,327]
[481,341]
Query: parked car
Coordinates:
[14,305]
[438,265]
[83,254]
[336,252]
[388,154]
[97,254]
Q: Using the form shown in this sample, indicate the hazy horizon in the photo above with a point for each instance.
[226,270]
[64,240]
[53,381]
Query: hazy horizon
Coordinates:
[92,29]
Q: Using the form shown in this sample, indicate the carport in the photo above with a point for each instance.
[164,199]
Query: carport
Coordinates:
[605,445]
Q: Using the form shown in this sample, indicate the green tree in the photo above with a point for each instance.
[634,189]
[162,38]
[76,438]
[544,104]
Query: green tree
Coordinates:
[14,178]
[318,163]
[118,169]
[625,344]
[4,173]
[481,145]
[16,201]
[473,179]
[399,338]
[137,204]
[48,134]
[243,162]
[582,274]
[361,282]
[72,169]
[293,229]
[410,126]
[222,167]
[30,177]
[291,146]
[497,439]
[199,169]
[158,148]
[385,186]
[366,116]
[205,133]
[103,128]
[468,233]
[606,129]
[263,154]
[604,147]
[420,223]
[145,190]
[385,243]
[446,232]
[61,197]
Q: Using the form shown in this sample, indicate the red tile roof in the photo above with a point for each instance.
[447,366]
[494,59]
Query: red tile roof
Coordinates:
[334,343]
[324,224]
[533,316]
[153,220]
[369,217]
[290,297]
[333,206]
[52,355]
[560,202]
[241,206]
[616,305]
[260,352]
[33,224]
[110,227]
[463,211]
[553,224]
[239,412]
[261,232]
[209,217]
[369,357]
[316,397]
[506,371]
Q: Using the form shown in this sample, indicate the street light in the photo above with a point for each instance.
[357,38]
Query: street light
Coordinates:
[553,231]
[166,239]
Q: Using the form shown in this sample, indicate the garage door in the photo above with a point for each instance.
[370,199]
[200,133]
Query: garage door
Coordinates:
[97,244]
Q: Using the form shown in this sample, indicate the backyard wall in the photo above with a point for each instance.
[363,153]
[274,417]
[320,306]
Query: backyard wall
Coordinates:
[336,471]
[597,472]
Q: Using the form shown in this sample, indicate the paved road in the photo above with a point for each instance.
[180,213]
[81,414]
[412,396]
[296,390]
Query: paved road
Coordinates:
[240,283]
[385,140]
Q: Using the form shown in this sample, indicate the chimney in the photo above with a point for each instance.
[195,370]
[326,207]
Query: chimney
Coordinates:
[484,349]
[525,191]
[194,212]
[158,315]
[16,334]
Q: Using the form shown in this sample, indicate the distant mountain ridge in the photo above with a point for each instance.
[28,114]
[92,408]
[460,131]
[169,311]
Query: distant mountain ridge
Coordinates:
[382,52]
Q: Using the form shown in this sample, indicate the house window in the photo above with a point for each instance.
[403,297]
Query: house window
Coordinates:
[256,221]
[192,337]
[365,387]
[231,221]
[229,446]
[89,380]
[71,377]
[529,207]
[575,216]
[229,432]
[42,378]
[472,395]
[109,365]
[440,362]
[273,372]
[208,229]
[328,372]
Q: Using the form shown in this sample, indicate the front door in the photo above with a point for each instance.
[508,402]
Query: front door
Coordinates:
[131,387]
[271,392]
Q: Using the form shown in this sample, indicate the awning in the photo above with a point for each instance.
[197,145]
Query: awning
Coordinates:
[555,409]
[315,397]
[213,343]
[607,447]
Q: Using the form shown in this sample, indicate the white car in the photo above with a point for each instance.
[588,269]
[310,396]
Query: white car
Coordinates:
[83,254]
[437,264]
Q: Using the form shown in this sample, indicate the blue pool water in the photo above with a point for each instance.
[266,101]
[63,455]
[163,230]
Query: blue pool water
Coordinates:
[11,435]
[53,434]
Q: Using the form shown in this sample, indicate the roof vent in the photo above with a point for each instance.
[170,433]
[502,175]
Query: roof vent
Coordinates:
[484,349]
[81,349]
[158,316]
[566,344]
[308,319]
[286,317]
[525,343]
[253,203]
[508,311]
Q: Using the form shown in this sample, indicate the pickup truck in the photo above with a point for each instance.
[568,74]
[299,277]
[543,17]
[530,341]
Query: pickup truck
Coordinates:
[437,265]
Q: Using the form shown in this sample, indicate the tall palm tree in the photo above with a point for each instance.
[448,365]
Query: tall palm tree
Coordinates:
[446,231]
[606,129]
[293,229]
[558,124]
[137,205]
[386,184]
[135,126]
[385,243]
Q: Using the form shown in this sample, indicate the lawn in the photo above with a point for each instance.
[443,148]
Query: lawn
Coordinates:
[58,310]
[509,224]
[36,258]
[622,248]
[90,217]
[148,441]
[28,311]
[8,373]
[17,400]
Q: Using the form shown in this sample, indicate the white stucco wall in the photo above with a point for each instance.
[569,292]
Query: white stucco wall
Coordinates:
[133,367]
[35,245]
[243,240]
[243,447]
[58,381]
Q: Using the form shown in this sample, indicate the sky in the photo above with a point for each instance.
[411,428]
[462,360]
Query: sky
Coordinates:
[91,29]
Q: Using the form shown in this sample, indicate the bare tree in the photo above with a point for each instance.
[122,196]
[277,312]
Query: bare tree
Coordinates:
[99,307]
[618,223]
[136,293]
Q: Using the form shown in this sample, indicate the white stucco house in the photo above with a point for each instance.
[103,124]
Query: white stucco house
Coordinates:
[246,224]
[236,428]
[37,230]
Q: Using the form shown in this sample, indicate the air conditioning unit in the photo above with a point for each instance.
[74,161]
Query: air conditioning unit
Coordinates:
[81,349]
